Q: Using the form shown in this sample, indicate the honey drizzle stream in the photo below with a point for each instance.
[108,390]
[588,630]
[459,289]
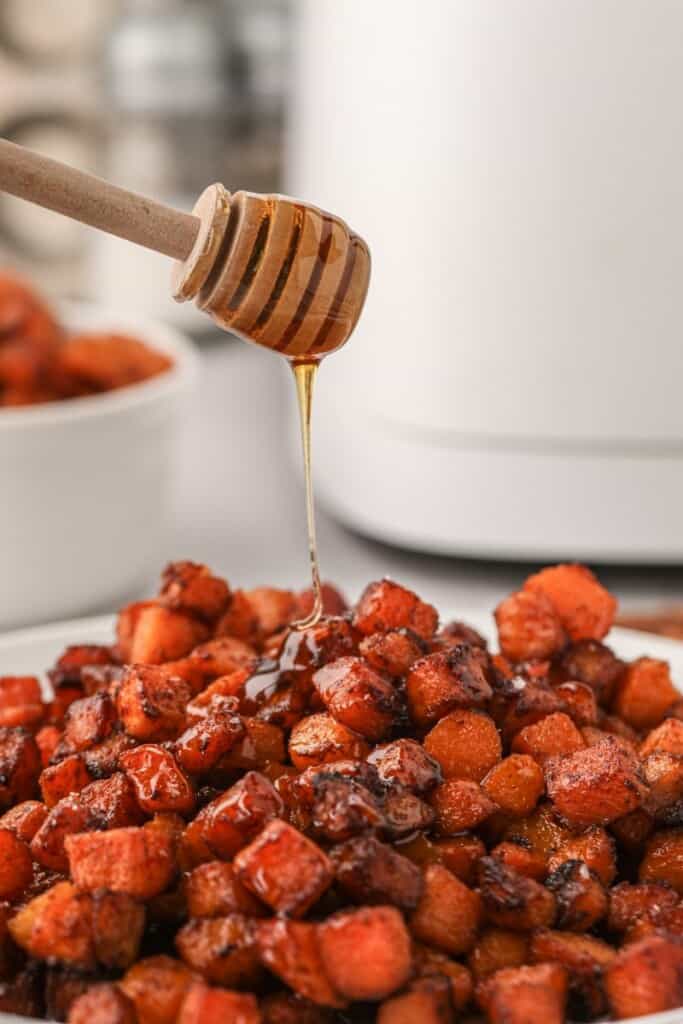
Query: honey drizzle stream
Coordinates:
[304,375]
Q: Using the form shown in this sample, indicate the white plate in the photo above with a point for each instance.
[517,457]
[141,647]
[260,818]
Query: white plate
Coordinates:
[32,651]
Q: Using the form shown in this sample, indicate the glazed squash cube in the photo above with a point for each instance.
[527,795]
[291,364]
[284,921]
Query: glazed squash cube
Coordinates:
[515,784]
[665,738]
[240,619]
[160,784]
[466,744]
[646,977]
[427,1000]
[102,1004]
[510,900]
[553,736]
[221,949]
[596,785]
[88,721]
[497,948]
[586,609]
[406,762]
[102,760]
[594,847]
[585,959]
[24,819]
[366,953]
[663,774]
[580,702]
[663,860]
[160,635]
[205,742]
[204,1004]
[392,653]
[157,987]
[525,862]
[460,805]
[234,818]
[528,702]
[48,844]
[319,738]
[448,913]
[209,661]
[69,776]
[368,871]
[386,605]
[355,695]
[460,855]
[192,588]
[630,903]
[528,627]
[213,890]
[151,704]
[581,897]
[57,925]
[446,680]
[291,950]
[592,663]
[284,869]
[19,766]
[274,609]
[262,744]
[541,831]
[136,861]
[645,693]
[16,866]
[518,995]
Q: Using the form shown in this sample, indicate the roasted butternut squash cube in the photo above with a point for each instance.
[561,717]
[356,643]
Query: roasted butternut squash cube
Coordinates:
[518,995]
[240,619]
[645,693]
[460,805]
[525,862]
[160,635]
[580,702]
[274,609]
[69,776]
[665,738]
[212,660]
[16,866]
[262,744]
[586,609]
[157,987]
[430,963]
[393,653]
[368,871]
[57,926]
[320,738]
[515,784]
[292,951]
[88,721]
[663,860]
[205,742]
[284,869]
[427,1000]
[541,831]
[406,762]
[102,1004]
[136,861]
[47,740]
[629,903]
[213,890]
[497,948]
[585,959]
[207,1005]
[117,925]
[355,695]
[448,913]
[528,627]
[596,785]
[221,949]
[386,605]
[594,847]
[151,703]
[366,953]
[459,854]
[553,736]
[581,897]
[466,744]
[528,702]
[21,701]
[592,663]
[160,784]
[663,773]
[238,815]
[19,766]
[510,900]
[646,977]
[192,588]
[341,809]
[23,995]
[24,819]
[446,680]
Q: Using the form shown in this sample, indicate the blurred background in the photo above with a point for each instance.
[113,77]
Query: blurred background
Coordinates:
[516,171]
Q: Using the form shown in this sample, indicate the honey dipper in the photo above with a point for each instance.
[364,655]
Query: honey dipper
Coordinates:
[276,271]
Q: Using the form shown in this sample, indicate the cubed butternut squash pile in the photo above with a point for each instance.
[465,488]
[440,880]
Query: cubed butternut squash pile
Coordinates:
[221,819]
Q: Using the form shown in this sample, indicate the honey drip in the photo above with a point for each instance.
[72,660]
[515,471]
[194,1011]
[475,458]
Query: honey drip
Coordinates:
[304,375]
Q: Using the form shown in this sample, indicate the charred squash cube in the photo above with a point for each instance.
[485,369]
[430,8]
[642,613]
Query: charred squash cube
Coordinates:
[135,861]
[517,995]
[88,721]
[529,627]
[151,704]
[525,862]
[406,762]
[393,653]
[284,869]
[595,848]
[19,766]
[192,588]
[446,680]
[592,663]
[448,913]
[357,696]
[69,776]
[291,950]
[240,619]
[318,739]
[261,744]
[221,949]
[596,785]
[233,819]
[205,742]
[581,897]
[160,784]
[369,871]
[512,901]
[386,605]
[366,953]
[430,963]
[580,702]
[24,819]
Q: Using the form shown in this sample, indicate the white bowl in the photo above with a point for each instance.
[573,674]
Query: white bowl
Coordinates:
[85,484]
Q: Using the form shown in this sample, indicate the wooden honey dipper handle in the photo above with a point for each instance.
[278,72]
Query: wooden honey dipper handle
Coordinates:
[93,201]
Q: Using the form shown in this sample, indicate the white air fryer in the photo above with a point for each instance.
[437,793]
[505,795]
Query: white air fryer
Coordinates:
[514,386]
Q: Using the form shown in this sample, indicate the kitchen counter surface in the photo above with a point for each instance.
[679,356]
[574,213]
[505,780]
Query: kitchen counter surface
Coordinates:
[239,504]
